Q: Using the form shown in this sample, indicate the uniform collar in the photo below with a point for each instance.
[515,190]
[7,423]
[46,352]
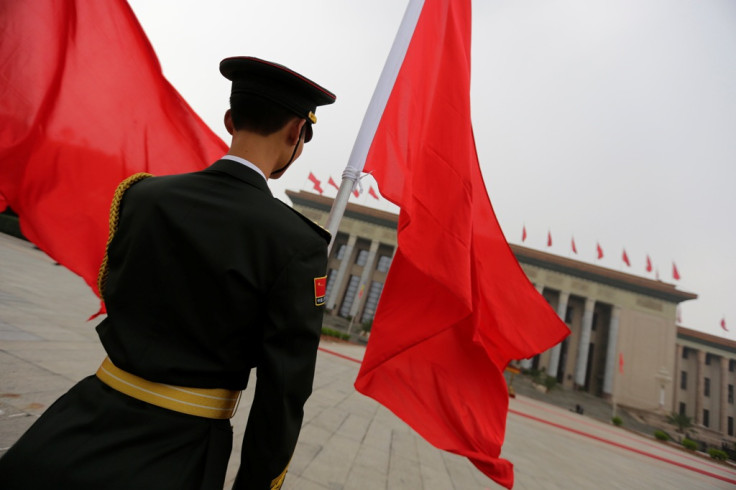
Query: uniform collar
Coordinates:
[241,172]
[245,162]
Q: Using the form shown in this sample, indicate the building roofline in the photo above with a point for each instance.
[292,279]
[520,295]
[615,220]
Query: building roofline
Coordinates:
[706,339]
[524,255]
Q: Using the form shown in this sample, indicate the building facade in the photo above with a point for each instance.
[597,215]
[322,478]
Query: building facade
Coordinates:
[623,333]
[704,388]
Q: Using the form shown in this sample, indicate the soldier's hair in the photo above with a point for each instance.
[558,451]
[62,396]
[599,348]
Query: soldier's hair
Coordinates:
[257,114]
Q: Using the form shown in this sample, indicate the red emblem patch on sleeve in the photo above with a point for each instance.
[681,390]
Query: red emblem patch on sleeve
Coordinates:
[320,285]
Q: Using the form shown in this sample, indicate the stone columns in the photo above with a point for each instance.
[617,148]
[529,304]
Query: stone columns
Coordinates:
[724,396]
[365,278]
[611,351]
[584,343]
[554,357]
[699,386]
[341,272]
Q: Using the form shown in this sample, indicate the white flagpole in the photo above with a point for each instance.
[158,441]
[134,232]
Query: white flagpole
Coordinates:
[354,168]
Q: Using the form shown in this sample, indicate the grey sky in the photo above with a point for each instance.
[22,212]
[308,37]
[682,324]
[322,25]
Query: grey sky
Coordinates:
[614,122]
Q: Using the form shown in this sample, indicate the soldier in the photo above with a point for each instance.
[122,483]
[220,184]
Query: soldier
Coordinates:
[206,276]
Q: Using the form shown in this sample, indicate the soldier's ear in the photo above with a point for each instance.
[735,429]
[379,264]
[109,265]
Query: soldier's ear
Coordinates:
[295,130]
[229,122]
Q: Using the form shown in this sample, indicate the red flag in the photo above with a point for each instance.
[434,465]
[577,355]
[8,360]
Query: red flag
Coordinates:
[600,250]
[523,233]
[333,184]
[356,193]
[625,258]
[85,105]
[549,238]
[723,324]
[373,193]
[456,306]
[574,248]
[316,182]
[621,362]
[649,264]
[675,272]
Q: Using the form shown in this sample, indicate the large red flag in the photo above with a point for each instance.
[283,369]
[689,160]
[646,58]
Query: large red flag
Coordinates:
[84,105]
[456,306]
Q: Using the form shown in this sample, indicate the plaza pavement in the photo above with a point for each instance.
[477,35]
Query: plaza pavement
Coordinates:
[348,441]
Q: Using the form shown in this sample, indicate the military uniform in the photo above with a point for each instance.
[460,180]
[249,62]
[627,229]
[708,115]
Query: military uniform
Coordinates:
[207,276]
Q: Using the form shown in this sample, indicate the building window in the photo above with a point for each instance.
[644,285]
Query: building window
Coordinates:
[362,258]
[706,417]
[350,294]
[568,314]
[595,321]
[684,352]
[707,359]
[683,408]
[371,302]
[706,387]
[341,251]
[730,394]
[331,277]
[683,380]
[732,365]
[384,262]
[730,426]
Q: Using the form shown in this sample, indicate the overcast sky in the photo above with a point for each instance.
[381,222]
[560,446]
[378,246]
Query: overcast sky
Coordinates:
[613,122]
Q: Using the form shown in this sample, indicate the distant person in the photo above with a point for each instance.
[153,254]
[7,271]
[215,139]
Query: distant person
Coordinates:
[206,276]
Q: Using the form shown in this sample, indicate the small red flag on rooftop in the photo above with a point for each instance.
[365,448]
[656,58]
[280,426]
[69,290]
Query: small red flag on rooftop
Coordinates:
[523,233]
[549,238]
[625,258]
[372,193]
[599,250]
[649,264]
[675,272]
[574,248]
[333,184]
[723,324]
[316,183]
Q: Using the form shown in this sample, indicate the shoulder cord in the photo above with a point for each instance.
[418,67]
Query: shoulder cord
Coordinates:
[114,219]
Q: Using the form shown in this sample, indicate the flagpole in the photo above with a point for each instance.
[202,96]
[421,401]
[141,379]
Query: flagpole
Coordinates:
[351,174]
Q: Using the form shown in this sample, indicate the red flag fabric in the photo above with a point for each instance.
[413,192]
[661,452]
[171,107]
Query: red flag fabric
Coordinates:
[599,250]
[723,324]
[649,264]
[333,184]
[675,272]
[456,306]
[316,183]
[356,193]
[523,233]
[625,258]
[373,194]
[84,106]
[621,362]
[574,248]
[549,238]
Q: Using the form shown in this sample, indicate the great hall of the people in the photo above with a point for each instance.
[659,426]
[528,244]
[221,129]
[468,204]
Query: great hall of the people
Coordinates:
[624,342]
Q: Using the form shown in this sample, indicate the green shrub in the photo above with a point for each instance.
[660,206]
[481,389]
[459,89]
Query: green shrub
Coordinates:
[689,444]
[661,435]
[617,421]
[334,333]
[718,454]
[680,420]
[550,382]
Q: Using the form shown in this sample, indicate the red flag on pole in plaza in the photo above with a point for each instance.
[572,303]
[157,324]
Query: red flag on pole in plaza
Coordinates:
[84,106]
[549,238]
[574,248]
[599,249]
[523,233]
[372,193]
[625,258]
[333,184]
[675,272]
[316,183]
[456,306]
[649,264]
